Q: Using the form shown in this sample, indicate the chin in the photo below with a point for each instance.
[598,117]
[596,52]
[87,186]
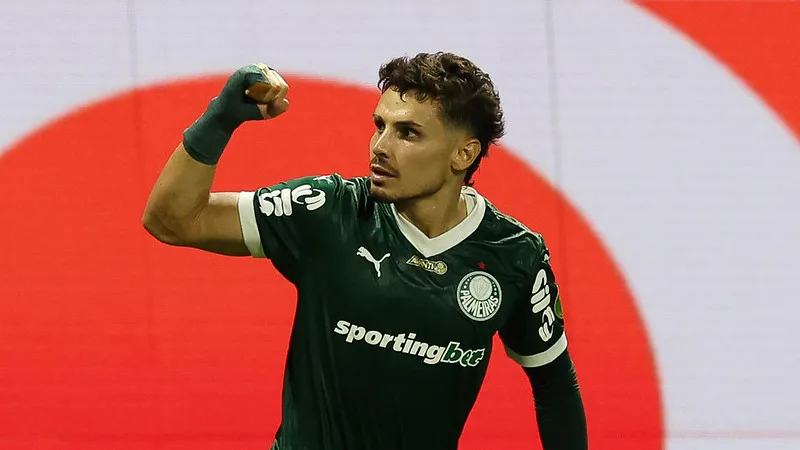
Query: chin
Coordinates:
[386,191]
[381,194]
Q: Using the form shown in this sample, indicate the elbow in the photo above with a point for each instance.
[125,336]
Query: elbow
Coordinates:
[556,377]
[159,228]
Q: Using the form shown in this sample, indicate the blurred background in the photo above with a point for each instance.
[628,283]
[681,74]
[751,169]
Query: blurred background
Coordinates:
[654,144]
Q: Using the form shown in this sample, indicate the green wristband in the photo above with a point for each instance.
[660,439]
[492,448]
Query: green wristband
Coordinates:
[206,138]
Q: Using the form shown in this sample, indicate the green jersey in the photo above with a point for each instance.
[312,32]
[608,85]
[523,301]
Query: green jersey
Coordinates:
[393,330]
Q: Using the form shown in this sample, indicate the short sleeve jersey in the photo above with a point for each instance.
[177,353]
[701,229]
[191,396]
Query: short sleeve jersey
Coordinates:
[393,330]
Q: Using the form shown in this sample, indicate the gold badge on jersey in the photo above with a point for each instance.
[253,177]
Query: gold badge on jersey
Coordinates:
[437,267]
[559,310]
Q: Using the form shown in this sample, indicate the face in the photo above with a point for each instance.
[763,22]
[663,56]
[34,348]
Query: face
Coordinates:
[414,153]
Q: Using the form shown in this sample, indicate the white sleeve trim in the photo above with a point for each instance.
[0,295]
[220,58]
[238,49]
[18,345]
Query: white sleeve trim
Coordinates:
[540,359]
[247,218]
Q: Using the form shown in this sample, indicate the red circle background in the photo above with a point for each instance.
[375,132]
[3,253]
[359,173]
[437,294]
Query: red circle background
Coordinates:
[112,340]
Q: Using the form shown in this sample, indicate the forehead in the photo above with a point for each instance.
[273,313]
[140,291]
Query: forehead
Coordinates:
[392,108]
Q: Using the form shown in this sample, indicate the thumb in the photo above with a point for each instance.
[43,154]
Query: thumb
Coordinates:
[274,108]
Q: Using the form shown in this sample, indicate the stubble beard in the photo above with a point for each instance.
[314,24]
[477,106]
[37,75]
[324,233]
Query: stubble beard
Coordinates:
[381,195]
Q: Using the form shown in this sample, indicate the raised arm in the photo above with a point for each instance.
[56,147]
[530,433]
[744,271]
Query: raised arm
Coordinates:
[181,209]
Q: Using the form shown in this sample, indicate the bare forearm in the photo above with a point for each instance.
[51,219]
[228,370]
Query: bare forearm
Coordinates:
[178,197]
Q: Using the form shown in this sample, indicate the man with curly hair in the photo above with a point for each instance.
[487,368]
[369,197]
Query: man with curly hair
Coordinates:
[403,277]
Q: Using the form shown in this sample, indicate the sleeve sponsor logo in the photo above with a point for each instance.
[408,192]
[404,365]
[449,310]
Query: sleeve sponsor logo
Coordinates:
[540,299]
[282,202]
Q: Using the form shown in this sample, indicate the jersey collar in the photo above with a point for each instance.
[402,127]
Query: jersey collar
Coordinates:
[429,247]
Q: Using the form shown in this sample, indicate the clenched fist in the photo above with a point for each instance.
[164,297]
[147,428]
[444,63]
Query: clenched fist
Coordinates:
[270,95]
[254,92]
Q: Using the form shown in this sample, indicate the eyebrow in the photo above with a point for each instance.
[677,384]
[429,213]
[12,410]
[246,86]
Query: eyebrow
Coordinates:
[402,123]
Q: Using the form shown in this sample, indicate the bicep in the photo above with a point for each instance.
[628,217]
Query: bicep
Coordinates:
[218,227]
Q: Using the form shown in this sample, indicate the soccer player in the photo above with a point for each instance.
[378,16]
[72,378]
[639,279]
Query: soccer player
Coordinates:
[403,277]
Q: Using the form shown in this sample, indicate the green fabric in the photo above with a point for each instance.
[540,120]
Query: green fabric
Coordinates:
[559,407]
[206,138]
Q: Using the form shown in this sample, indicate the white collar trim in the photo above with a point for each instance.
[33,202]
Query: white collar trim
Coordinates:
[429,247]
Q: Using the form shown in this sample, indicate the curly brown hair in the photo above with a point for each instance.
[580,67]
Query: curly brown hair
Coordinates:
[465,94]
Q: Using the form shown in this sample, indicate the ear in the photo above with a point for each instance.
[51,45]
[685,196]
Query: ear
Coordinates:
[466,155]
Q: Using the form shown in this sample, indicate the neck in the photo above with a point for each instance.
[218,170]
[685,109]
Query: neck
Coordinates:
[436,214]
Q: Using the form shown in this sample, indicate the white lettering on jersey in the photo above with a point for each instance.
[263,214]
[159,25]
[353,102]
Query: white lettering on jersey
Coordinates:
[406,344]
[479,296]
[364,253]
[540,299]
[280,202]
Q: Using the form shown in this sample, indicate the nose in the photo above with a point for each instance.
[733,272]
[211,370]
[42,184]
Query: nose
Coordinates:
[379,145]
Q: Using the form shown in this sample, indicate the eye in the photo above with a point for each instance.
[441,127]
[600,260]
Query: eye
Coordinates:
[407,132]
[379,125]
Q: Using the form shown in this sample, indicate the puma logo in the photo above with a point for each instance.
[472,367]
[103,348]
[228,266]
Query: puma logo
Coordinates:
[364,253]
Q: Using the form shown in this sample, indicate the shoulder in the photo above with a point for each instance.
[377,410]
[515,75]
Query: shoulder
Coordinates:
[334,184]
[314,192]
[356,188]
[505,228]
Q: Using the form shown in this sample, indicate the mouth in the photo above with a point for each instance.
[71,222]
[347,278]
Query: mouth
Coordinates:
[380,173]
